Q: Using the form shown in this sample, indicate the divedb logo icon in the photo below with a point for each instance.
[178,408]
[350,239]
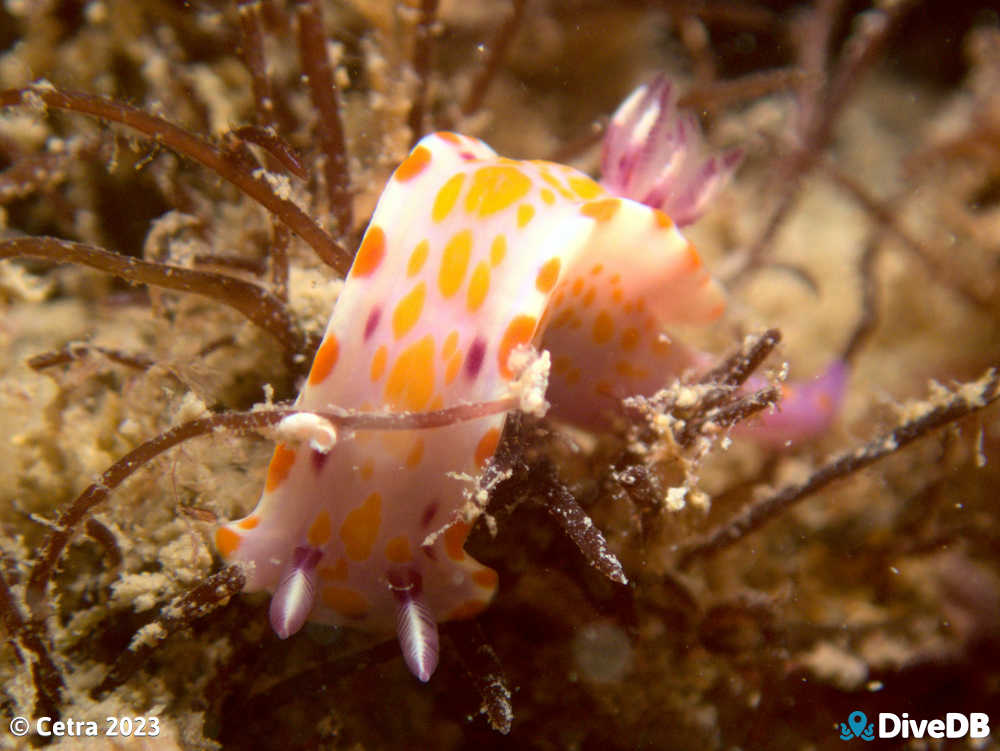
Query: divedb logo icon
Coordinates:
[857,726]
[954,725]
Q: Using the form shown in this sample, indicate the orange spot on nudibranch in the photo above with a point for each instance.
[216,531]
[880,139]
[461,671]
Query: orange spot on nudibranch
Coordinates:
[630,338]
[227,541]
[563,318]
[416,453]
[662,220]
[498,250]
[628,370]
[604,327]
[561,363]
[249,523]
[584,187]
[360,528]
[486,578]
[547,196]
[411,380]
[524,214]
[453,138]
[344,601]
[577,287]
[414,164]
[447,196]
[823,403]
[661,347]
[559,188]
[468,609]
[454,262]
[589,297]
[378,363]
[479,285]
[495,188]
[337,572]
[451,370]
[281,464]
[693,259]
[454,538]
[408,310]
[367,469]
[450,343]
[519,331]
[417,258]
[371,252]
[397,550]
[548,275]
[601,211]
[325,360]
[319,530]
[487,446]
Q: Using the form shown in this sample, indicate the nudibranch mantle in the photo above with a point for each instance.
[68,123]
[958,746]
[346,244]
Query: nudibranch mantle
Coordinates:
[468,257]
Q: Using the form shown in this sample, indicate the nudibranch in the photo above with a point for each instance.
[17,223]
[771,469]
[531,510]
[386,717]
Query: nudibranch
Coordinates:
[470,262]
[469,259]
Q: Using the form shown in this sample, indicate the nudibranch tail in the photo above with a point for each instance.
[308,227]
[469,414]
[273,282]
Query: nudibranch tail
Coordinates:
[415,626]
[806,410]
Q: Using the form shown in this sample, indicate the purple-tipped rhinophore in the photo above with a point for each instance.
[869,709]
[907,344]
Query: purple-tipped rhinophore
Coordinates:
[293,599]
[415,626]
[654,154]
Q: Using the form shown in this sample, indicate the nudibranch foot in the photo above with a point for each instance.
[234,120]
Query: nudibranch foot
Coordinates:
[416,628]
[294,598]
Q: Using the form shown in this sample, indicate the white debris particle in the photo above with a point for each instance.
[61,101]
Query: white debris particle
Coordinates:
[148,636]
[18,284]
[531,371]
[192,407]
[675,498]
[836,666]
[280,184]
[305,426]
[700,500]
[131,428]
[686,396]
[96,12]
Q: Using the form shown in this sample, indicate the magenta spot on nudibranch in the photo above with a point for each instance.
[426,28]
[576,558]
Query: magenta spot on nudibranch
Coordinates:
[318,460]
[428,516]
[474,359]
[372,323]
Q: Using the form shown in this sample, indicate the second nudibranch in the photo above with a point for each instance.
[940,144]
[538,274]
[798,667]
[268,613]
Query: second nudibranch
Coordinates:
[468,259]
